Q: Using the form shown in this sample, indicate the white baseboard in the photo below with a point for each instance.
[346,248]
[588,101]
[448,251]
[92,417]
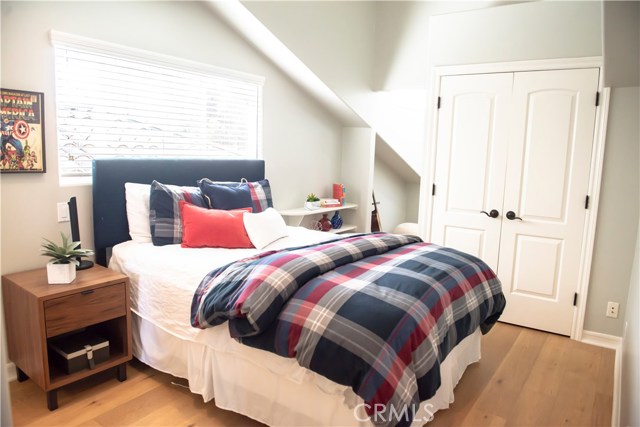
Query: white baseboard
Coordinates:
[601,340]
[614,343]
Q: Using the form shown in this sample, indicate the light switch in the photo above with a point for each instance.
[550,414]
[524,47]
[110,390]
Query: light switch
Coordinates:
[63,212]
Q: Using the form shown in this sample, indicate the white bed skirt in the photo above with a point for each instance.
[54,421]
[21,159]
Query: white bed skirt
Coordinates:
[244,384]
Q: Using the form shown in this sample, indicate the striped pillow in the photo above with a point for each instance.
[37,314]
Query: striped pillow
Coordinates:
[164,211]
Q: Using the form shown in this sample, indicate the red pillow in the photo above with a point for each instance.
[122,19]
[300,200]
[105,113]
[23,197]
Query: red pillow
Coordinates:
[213,228]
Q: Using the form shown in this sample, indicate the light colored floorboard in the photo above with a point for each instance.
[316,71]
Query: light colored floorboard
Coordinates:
[536,379]
[525,378]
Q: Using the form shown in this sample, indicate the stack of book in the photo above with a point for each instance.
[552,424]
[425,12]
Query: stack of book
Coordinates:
[330,203]
[340,194]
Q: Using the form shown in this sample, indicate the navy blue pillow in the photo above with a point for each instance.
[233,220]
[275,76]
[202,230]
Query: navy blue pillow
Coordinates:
[226,197]
[260,191]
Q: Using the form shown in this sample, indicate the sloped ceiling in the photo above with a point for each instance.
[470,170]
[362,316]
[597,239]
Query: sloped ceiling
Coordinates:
[249,27]
[364,61]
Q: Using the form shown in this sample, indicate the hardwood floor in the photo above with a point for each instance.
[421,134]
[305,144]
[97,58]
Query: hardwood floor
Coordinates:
[532,378]
[525,378]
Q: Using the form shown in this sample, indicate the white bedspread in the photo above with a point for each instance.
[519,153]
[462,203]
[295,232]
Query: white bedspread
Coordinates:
[164,278]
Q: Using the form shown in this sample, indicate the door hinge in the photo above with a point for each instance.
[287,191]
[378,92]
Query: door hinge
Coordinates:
[586,202]
[597,98]
[575,299]
[439,100]
[433,190]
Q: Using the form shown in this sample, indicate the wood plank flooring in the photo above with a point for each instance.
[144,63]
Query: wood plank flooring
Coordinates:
[532,378]
[525,378]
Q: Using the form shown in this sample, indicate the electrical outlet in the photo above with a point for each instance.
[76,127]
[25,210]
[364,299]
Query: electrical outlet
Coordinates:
[612,309]
[63,212]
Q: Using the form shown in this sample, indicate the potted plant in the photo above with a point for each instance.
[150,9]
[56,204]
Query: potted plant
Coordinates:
[62,267]
[312,203]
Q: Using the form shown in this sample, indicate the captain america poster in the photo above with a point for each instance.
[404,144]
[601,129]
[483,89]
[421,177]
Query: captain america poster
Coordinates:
[22,124]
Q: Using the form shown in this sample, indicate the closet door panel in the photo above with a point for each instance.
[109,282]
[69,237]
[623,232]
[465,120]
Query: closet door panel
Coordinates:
[546,183]
[470,163]
[537,266]
[469,240]
[542,193]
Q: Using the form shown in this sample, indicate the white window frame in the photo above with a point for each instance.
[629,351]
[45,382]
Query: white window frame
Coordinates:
[61,39]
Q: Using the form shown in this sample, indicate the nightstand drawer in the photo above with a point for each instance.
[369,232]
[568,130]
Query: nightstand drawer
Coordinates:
[84,308]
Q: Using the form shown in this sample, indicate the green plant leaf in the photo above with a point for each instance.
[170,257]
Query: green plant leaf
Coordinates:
[66,253]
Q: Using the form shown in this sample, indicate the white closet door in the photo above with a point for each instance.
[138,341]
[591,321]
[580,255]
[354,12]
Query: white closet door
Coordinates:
[552,126]
[470,163]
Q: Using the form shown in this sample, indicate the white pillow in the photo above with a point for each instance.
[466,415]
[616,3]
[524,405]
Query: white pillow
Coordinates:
[137,197]
[265,227]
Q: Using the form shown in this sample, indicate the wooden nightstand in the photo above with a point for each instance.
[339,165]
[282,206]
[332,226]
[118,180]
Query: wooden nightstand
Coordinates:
[36,312]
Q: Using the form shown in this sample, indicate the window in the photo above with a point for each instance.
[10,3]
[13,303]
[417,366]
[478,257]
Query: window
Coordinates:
[114,101]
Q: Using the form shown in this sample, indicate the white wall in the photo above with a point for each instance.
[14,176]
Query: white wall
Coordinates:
[413,201]
[372,54]
[300,139]
[630,387]
[402,37]
[537,30]
[392,203]
[619,205]
[333,38]
[617,215]
[621,39]
[622,58]
[357,174]
[337,41]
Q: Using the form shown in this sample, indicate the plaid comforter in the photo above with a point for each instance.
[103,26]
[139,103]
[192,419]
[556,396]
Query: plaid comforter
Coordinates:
[376,312]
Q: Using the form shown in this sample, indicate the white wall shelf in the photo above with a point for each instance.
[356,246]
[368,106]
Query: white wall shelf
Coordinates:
[345,228]
[297,215]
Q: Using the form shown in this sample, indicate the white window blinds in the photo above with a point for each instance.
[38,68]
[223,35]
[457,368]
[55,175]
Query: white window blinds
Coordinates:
[117,105]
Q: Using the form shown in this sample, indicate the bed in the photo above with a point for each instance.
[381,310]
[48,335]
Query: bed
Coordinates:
[262,385]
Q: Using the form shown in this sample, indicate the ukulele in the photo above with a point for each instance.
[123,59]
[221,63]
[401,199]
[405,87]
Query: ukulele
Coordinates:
[375,216]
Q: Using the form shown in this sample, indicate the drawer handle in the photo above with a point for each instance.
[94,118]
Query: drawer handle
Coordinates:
[87,292]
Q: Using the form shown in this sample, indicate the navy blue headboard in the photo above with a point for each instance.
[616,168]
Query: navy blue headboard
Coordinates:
[110,225]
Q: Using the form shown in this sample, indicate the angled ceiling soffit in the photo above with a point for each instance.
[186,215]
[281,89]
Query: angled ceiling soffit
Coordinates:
[256,33]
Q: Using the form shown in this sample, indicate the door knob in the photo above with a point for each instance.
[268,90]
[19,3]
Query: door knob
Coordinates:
[511,215]
[493,213]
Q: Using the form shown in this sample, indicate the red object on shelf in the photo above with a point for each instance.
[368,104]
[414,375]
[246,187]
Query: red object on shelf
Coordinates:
[325,223]
[339,193]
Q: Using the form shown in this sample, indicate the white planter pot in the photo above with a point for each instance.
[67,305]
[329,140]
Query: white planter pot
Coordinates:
[61,273]
[312,206]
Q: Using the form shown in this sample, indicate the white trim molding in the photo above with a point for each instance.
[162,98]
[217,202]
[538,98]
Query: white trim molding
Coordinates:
[616,344]
[589,237]
[518,66]
[601,340]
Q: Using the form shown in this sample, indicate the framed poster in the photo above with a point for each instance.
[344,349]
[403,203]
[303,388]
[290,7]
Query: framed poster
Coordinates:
[22,123]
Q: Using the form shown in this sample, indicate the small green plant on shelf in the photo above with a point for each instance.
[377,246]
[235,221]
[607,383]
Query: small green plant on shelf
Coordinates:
[65,254]
[312,203]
